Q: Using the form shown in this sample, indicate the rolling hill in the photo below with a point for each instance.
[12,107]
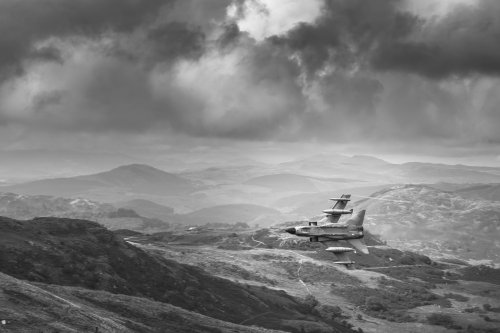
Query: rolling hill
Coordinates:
[432,173]
[147,208]
[32,164]
[422,218]
[372,169]
[127,179]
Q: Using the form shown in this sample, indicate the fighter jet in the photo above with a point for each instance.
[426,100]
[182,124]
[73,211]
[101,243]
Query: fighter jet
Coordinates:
[330,234]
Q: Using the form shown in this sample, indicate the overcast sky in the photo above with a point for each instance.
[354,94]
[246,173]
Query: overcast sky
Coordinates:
[405,80]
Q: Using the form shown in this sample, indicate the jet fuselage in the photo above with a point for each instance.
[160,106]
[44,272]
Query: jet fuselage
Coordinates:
[333,232]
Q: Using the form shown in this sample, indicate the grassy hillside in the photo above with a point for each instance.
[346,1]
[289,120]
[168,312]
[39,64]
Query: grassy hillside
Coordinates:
[39,307]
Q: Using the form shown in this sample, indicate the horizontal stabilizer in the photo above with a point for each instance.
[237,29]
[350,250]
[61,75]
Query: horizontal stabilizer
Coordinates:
[359,245]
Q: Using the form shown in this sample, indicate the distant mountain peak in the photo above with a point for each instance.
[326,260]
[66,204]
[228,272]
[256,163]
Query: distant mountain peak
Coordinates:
[136,167]
[369,157]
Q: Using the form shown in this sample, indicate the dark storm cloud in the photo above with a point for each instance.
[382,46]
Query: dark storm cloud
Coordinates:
[25,22]
[231,33]
[362,70]
[347,32]
[380,35]
[176,39]
[377,70]
[121,42]
[463,42]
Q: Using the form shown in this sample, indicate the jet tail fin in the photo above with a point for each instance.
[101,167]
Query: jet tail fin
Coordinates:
[357,218]
[359,244]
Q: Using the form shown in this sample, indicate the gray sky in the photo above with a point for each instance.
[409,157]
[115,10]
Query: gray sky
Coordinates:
[401,79]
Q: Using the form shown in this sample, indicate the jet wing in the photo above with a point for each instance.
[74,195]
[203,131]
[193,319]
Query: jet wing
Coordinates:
[342,203]
[359,245]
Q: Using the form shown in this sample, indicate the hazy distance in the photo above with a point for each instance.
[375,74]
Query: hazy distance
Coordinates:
[184,84]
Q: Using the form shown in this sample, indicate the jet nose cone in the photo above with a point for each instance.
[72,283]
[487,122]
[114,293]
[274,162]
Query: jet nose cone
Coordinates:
[290,230]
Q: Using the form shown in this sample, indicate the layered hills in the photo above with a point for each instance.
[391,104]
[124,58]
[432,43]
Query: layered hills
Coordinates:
[29,206]
[369,168]
[138,214]
[266,185]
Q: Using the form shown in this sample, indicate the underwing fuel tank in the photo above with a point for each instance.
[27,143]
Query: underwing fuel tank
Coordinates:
[342,199]
[339,249]
[337,211]
[347,262]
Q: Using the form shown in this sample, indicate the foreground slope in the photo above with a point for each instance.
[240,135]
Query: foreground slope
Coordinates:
[83,253]
[29,307]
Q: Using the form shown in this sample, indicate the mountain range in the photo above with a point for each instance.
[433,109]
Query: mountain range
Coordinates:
[256,184]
